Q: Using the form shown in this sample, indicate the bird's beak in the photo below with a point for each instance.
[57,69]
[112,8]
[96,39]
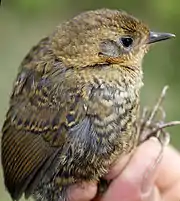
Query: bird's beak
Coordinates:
[156,37]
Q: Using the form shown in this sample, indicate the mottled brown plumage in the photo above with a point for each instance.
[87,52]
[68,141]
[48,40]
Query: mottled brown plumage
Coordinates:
[74,104]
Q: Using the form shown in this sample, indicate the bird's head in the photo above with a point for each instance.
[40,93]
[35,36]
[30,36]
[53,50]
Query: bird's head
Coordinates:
[103,36]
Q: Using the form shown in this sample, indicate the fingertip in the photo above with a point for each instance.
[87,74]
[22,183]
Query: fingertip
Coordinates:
[82,192]
[173,193]
[118,167]
[169,173]
[139,174]
[150,149]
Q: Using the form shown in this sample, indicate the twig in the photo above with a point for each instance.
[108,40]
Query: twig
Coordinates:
[150,127]
[157,106]
[165,125]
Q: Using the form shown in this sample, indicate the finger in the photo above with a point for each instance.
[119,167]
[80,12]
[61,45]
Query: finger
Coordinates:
[137,178]
[169,173]
[118,167]
[82,192]
[172,194]
[154,195]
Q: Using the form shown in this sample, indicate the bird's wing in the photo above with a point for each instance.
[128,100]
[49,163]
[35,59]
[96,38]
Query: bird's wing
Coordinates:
[40,114]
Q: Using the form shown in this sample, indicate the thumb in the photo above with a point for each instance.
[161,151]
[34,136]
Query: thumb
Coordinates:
[136,181]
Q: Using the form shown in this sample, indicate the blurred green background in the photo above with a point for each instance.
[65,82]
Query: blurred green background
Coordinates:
[24,22]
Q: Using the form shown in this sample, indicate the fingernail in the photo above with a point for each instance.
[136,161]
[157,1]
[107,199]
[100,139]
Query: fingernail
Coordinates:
[152,169]
[153,194]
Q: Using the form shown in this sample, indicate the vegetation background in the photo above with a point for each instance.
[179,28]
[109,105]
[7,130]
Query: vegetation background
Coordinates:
[24,22]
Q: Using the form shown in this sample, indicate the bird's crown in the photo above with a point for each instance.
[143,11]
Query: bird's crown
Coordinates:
[99,37]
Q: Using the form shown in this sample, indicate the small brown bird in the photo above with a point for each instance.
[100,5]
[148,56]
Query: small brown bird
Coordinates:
[75,103]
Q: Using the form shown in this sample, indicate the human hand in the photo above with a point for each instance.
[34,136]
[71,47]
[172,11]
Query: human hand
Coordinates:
[146,177]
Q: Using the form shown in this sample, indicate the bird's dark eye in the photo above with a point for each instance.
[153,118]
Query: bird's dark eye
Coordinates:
[126,41]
